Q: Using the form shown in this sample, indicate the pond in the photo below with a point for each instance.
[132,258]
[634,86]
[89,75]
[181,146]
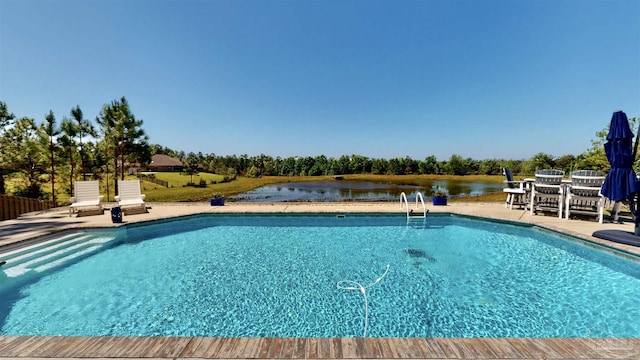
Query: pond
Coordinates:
[351,190]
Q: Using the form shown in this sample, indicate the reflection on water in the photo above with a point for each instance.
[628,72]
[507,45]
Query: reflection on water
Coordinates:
[347,190]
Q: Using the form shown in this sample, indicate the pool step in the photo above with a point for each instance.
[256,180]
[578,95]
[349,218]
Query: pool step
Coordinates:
[21,253]
[51,253]
[417,222]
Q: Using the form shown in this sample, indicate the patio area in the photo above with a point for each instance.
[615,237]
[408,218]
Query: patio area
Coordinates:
[33,225]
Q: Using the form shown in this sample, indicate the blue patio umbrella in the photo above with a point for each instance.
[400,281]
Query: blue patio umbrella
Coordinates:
[621,182]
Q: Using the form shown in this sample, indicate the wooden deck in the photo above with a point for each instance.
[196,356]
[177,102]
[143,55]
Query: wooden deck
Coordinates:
[316,348]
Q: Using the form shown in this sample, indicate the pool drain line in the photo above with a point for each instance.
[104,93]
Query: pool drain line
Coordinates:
[343,284]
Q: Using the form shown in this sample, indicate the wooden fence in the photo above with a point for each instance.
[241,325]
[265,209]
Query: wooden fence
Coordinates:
[11,207]
[154,180]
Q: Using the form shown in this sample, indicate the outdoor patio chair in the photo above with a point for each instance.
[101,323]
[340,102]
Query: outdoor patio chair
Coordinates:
[86,195]
[583,194]
[516,191]
[129,195]
[547,192]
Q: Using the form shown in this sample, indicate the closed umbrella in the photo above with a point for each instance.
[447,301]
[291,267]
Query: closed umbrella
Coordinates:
[621,182]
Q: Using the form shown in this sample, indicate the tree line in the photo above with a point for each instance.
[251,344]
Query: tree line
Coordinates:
[265,165]
[78,149]
[74,149]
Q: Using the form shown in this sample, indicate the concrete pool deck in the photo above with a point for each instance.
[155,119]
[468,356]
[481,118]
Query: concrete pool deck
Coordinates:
[43,223]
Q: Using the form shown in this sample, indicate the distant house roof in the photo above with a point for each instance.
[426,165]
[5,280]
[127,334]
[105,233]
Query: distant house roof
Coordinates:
[164,160]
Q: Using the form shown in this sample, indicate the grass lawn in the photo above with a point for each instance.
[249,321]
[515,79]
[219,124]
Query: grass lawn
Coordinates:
[176,179]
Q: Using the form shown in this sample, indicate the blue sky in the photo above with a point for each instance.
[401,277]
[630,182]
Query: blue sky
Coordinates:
[383,79]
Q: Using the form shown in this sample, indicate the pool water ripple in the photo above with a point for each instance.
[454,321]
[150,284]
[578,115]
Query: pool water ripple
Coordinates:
[273,276]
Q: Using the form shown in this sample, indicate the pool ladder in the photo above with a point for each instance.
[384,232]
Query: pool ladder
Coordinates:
[411,214]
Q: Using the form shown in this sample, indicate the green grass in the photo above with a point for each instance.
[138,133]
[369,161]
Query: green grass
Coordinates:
[176,180]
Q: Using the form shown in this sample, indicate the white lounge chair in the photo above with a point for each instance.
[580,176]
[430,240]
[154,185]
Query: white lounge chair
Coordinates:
[547,192]
[86,195]
[129,195]
[583,194]
[516,191]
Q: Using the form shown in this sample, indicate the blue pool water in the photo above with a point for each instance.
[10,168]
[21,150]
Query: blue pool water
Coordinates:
[276,276]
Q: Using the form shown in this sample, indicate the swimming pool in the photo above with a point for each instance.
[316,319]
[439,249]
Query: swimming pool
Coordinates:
[276,276]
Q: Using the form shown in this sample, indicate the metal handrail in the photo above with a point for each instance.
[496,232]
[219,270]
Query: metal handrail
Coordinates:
[419,200]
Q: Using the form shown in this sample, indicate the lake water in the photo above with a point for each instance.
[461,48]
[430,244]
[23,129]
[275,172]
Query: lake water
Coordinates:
[349,190]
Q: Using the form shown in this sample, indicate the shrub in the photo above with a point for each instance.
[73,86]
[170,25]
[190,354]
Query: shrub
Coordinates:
[33,191]
[253,172]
